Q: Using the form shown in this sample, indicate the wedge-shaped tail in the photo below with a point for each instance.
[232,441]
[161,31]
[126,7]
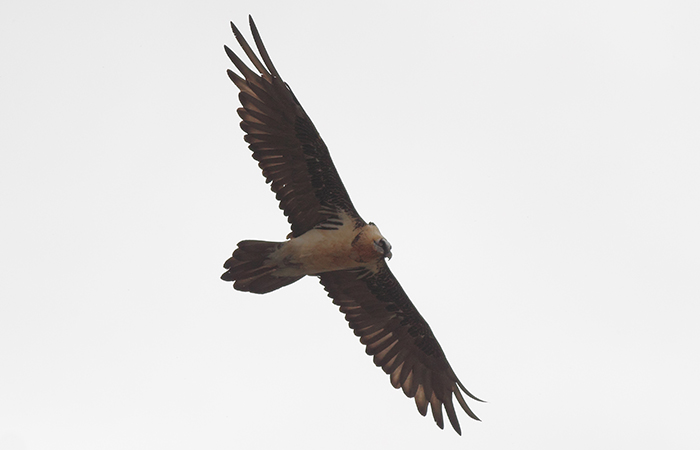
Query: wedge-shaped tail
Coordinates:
[252,267]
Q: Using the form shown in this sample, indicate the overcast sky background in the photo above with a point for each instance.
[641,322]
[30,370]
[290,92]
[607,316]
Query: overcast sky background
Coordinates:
[535,165]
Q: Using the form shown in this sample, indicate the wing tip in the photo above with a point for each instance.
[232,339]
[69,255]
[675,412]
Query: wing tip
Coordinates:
[234,29]
[472,396]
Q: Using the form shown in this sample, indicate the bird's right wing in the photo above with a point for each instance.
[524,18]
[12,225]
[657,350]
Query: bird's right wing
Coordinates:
[284,141]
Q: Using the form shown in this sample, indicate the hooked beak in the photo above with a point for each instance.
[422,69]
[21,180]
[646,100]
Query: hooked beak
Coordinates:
[384,247]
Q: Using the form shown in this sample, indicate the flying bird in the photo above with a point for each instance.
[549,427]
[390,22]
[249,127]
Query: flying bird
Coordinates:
[330,240]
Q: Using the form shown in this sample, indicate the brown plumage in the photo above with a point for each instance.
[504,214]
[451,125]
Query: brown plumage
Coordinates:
[284,141]
[394,332]
[330,239]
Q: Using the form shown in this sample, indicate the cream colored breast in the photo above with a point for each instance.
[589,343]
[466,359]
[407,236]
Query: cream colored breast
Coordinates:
[318,251]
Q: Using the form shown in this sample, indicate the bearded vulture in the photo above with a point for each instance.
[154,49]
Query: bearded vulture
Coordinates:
[330,240]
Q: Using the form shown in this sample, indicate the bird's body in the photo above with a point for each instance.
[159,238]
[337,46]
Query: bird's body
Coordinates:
[348,247]
[330,240]
[261,266]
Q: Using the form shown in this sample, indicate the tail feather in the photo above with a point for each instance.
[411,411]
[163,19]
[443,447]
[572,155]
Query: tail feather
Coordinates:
[252,269]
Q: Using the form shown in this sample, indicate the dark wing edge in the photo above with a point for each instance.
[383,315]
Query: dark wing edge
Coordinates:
[400,340]
[284,141]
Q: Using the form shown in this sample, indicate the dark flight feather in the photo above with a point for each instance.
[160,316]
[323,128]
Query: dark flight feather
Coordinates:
[284,141]
[389,325]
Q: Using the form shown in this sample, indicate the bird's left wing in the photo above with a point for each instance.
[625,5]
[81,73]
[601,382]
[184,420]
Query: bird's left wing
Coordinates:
[402,343]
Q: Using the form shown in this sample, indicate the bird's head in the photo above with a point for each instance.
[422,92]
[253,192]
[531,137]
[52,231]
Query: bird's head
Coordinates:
[369,245]
[383,247]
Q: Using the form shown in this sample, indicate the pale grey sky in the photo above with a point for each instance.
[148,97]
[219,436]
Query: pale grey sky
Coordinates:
[535,165]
